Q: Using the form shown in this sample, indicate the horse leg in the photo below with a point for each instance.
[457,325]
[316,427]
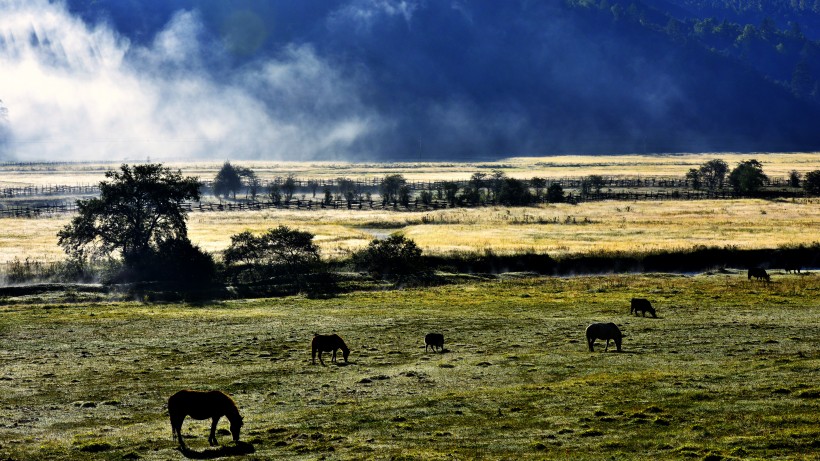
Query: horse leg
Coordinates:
[320,358]
[176,429]
[607,345]
[212,438]
[334,356]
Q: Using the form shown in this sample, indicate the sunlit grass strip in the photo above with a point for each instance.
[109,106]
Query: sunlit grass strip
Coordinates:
[557,230]
[670,165]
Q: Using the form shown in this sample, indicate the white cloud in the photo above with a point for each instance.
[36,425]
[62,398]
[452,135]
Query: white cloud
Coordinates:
[76,91]
[365,13]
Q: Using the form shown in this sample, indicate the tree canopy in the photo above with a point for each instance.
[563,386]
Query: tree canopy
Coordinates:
[281,249]
[227,181]
[138,208]
[747,178]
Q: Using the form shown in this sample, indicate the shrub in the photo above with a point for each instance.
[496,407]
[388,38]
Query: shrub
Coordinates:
[393,257]
[182,262]
[278,251]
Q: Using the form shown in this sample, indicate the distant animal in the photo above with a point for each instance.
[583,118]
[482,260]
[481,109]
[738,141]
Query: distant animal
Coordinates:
[758,273]
[643,306]
[789,266]
[605,331]
[434,340]
[203,405]
[328,343]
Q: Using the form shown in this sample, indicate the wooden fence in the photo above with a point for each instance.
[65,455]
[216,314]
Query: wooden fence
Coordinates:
[33,211]
[304,186]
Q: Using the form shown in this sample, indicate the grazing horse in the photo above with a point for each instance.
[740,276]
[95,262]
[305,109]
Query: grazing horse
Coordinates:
[605,331]
[643,306]
[790,266]
[328,343]
[758,273]
[434,340]
[203,405]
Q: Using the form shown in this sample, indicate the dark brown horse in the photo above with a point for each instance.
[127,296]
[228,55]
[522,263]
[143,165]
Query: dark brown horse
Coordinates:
[328,343]
[758,273]
[434,340]
[203,405]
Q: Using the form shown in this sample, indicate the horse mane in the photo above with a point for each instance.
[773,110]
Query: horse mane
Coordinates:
[231,408]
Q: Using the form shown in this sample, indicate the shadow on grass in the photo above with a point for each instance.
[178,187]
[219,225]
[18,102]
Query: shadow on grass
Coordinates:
[238,449]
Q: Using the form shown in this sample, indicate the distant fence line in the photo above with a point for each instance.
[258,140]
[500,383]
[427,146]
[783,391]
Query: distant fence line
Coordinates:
[364,184]
[33,211]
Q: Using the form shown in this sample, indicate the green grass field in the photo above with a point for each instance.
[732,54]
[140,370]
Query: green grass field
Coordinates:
[729,370]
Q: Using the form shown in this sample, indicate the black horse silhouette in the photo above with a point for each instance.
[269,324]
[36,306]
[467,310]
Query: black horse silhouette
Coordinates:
[328,343]
[643,306]
[203,405]
[605,331]
[434,340]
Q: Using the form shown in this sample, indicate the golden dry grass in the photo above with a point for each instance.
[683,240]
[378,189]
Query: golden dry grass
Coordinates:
[553,229]
[776,165]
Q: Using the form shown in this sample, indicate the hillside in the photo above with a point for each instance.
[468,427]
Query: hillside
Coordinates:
[784,13]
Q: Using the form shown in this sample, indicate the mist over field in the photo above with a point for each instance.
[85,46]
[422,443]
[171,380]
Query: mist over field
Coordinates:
[373,80]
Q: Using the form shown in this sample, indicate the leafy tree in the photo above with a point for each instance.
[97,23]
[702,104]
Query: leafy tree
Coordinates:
[426,197]
[289,187]
[794,178]
[390,186]
[404,195]
[693,175]
[227,181]
[279,250]
[538,184]
[275,193]
[139,210]
[254,183]
[347,187]
[314,186]
[392,257]
[713,174]
[811,183]
[747,178]
[496,182]
[450,192]
[478,181]
[592,182]
[555,193]
[470,195]
[514,192]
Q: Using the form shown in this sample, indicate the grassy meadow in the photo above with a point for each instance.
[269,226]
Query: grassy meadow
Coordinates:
[729,370]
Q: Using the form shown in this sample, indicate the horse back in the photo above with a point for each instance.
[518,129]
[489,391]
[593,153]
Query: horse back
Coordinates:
[328,343]
[603,331]
[201,404]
